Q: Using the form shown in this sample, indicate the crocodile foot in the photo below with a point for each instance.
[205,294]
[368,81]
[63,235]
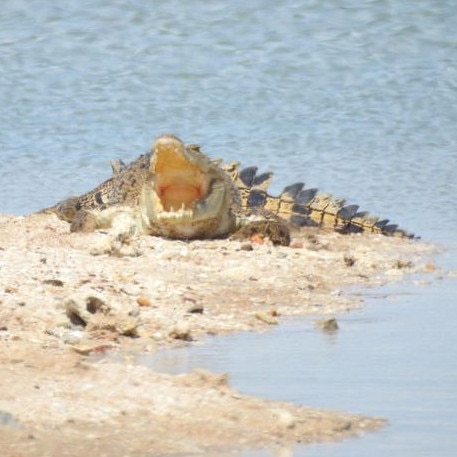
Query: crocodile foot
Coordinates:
[276,231]
[83,221]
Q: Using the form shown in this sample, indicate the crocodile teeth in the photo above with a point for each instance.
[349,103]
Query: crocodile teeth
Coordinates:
[177,215]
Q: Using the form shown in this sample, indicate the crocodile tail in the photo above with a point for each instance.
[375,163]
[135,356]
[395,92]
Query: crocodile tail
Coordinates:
[331,212]
[306,207]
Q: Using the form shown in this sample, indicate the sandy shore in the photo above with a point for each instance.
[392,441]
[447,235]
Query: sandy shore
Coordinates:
[69,300]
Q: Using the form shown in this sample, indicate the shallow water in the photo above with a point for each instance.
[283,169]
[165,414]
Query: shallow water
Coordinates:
[358,98]
[394,358]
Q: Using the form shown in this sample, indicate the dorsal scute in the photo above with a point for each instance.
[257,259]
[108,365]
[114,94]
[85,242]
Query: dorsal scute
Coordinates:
[305,196]
[360,216]
[262,181]
[247,176]
[381,224]
[390,228]
[348,212]
[291,192]
[305,207]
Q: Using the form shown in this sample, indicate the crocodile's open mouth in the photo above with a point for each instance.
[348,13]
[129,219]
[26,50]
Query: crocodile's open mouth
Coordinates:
[179,183]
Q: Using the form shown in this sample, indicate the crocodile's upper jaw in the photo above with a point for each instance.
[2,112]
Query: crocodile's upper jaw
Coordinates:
[186,194]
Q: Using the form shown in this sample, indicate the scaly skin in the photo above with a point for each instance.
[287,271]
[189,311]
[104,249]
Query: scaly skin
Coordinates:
[306,207]
[176,191]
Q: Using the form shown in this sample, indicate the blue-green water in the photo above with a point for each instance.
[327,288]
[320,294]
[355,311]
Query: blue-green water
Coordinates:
[358,98]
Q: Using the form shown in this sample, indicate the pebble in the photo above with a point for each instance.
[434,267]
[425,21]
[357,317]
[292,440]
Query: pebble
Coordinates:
[196,309]
[80,308]
[72,337]
[144,301]
[285,418]
[268,318]
[181,331]
[327,325]
[53,282]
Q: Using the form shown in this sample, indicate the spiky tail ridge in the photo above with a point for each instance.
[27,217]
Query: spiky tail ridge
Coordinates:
[306,207]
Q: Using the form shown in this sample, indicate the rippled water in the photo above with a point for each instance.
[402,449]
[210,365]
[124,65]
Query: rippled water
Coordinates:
[358,98]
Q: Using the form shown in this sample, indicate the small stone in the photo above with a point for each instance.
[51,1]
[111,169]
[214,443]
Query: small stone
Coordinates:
[246,247]
[157,336]
[207,378]
[285,418]
[80,308]
[268,318]
[72,337]
[127,326]
[257,239]
[297,244]
[181,331]
[144,301]
[429,267]
[82,349]
[96,348]
[196,309]
[327,325]
[349,260]
[400,264]
[53,282]
[189,297]
[10,290]
[123,325]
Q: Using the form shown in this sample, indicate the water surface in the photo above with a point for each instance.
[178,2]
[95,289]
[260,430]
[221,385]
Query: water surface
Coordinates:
[394,358]
[357,98]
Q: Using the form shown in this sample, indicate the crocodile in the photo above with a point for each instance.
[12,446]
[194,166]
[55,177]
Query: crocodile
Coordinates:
[177,191]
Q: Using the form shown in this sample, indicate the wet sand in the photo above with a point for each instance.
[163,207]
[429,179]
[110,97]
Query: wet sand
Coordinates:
[69,300]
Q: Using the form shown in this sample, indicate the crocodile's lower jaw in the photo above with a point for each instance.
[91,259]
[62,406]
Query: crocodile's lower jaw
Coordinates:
[181,216]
